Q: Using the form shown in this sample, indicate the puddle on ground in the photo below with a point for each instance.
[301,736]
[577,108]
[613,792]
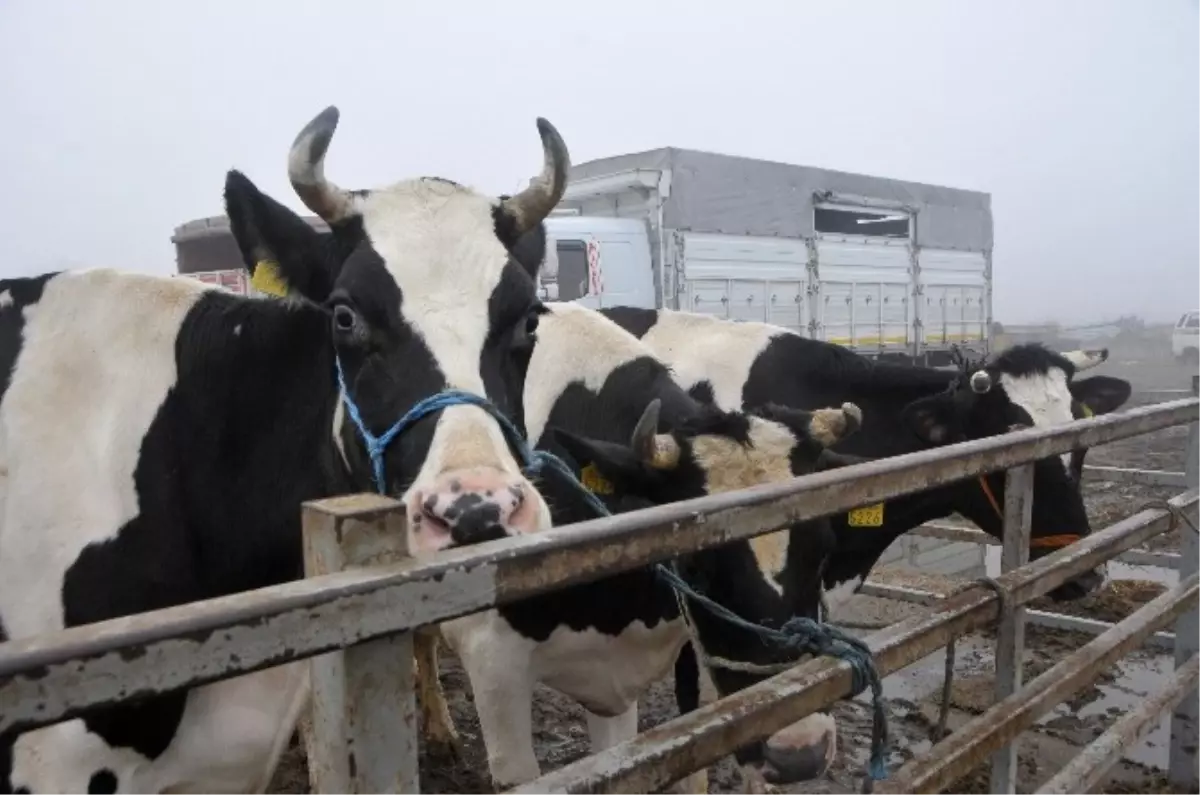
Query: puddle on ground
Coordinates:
[1134,678]
[1079,721]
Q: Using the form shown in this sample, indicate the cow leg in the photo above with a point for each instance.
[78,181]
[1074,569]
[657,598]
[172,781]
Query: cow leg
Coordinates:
[440,735]
[498,663]
[687,699]
[607,732]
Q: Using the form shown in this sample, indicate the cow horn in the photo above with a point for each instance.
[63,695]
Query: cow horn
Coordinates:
[659,450]
[529,207]
[830,426]
[306,169]
[1085,360]
[981,382]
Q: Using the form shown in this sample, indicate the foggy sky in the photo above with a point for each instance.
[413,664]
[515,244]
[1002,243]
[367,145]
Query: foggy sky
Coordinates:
[1082,119]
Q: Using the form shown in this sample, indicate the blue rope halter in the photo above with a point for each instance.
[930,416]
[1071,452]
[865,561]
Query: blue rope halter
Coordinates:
[799,634]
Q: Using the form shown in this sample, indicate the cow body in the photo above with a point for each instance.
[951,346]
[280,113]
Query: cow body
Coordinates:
[738,366]
[604,643]
[157,437]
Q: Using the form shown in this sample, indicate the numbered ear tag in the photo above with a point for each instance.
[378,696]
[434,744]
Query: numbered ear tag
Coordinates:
[594,482]
[866,516]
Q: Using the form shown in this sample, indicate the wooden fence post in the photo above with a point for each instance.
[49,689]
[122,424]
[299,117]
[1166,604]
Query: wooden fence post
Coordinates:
[362,736]
[1010,641]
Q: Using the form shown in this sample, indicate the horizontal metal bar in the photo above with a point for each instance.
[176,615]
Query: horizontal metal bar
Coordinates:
[1145,477]
[1159,640]
[970,745]
[50,677]
[1164,641]
[1086,768]
[899,593]
[967,535]
[672,750]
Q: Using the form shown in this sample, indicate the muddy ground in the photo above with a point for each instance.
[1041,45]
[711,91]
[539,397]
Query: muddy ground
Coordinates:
[561,737]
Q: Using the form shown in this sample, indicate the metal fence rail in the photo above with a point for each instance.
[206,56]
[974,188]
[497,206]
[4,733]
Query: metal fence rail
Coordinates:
[371,611]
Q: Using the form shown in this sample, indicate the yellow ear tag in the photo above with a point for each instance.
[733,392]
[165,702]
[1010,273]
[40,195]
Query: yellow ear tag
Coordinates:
[1087,411]
[866,516]
[267,278]
[594,482]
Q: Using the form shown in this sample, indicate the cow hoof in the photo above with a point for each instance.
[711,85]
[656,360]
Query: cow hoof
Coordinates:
[792,764]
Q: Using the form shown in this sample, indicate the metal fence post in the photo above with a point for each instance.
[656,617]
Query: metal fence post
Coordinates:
[1010,642]
[1182,770]
[363,733]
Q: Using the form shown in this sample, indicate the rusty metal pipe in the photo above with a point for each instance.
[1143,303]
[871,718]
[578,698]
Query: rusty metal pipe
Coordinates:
[54,676]
[672,750]
[1085,770]
[984,734]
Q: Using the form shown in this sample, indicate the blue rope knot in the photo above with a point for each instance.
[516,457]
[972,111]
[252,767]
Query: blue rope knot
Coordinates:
[799,634]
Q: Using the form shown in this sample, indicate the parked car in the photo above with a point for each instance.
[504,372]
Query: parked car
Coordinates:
[1185,339]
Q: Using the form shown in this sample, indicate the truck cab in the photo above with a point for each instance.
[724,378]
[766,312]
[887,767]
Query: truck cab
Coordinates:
[1185,338]
[598,262]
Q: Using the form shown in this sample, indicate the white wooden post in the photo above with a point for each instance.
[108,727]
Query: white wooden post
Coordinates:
[1182,769]
[1010,643]
[362,736]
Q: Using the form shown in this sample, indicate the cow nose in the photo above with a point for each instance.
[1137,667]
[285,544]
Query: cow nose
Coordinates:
[469,507]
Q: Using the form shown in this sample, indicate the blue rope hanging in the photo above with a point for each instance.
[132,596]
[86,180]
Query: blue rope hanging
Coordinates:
[800,635]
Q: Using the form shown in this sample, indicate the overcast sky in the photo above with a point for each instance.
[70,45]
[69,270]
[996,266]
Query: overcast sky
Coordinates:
[1082,119]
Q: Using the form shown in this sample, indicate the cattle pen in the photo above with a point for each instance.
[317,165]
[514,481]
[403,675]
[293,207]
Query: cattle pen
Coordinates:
[356,613]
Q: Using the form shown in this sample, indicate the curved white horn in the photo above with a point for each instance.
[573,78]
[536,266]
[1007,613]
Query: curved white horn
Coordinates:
[306,169]
[529,207]
[1085,360]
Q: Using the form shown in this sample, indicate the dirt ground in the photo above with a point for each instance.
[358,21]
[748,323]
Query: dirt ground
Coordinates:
[561,737]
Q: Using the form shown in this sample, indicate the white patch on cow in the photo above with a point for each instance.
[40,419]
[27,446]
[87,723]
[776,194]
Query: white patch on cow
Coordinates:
[230,738]
[72,423]
[574,345]
[339,422]
[605,674]
[728,349]
[839,594]
[237,330]
[1046,398]
[437,240]
[729,466]
[6,299]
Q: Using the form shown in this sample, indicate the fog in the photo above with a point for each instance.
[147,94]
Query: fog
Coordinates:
[1081,119]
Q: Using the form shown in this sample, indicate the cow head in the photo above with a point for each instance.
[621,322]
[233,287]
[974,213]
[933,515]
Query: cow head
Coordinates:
[427,286]
[1023,387]
[712,452]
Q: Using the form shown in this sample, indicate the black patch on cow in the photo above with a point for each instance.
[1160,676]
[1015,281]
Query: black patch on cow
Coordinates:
[702,392]
[23,293]
[530,250]
[240,441]
[637,322]
[1030,359]
[103,781]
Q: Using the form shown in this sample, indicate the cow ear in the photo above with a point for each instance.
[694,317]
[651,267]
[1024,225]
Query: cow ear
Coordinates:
[282,252]
[606,467]
[1101,393]
[934,419]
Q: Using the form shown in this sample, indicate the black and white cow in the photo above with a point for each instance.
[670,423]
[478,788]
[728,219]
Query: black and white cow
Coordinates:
[743,365]
[586,394]
[157,437]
